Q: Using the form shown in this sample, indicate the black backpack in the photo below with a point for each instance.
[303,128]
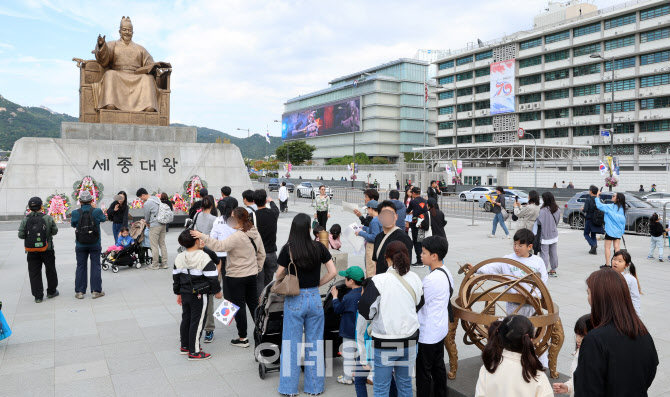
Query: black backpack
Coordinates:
[87,231]
[598,218]
[37,236]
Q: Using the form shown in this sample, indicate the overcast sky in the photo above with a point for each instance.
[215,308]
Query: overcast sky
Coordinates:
[236,62]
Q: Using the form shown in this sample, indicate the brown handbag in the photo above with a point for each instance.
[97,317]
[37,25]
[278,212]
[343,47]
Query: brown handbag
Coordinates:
[287,284]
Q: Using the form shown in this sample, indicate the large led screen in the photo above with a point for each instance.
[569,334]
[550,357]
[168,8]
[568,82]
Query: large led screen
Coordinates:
[344,116]
[502,87]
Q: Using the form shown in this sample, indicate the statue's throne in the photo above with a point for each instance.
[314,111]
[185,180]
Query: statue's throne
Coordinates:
[91,72]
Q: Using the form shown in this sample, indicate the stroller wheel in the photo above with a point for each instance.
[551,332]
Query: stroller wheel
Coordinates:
[138,264]
[115,269]
[262,370]
[105,266]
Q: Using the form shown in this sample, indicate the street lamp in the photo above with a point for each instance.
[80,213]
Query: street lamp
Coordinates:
[611,60]
[247,130]
[534,156]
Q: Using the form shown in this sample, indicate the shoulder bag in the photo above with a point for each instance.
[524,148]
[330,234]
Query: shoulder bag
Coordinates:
[287,284]
[406,285]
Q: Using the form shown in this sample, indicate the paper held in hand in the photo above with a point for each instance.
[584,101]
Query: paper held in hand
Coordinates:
[226,312]
[350,207]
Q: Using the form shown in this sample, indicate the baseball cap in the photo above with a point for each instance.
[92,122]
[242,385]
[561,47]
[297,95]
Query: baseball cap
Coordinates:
[372,204]
[35,202]
[85,197]
[354,272]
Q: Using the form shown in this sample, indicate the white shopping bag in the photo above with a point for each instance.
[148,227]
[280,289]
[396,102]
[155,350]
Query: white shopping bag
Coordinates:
[226,312]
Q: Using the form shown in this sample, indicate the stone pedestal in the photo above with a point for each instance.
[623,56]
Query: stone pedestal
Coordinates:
[121,157]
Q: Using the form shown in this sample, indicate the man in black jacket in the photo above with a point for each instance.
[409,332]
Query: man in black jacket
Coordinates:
[198,204]
[266,223]
[417,207]
[590,229]
[433,190]
[225,193]
[388,216]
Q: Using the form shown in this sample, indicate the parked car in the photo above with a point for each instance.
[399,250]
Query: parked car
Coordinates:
[638,211]
[475,193]
[486,202]
[659,198]
[311,189]
[275,183]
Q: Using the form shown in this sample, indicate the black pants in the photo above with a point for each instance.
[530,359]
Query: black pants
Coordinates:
[417,244]
[283,205]
[243,291]
[431,372]
[193,312]
[265,276]
[322,218]
[224,280]
[35,262]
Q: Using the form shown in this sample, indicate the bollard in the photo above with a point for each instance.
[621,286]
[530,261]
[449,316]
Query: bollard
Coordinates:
[473,214]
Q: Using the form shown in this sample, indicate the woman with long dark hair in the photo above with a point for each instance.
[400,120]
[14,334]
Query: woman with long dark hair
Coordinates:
[511,367]
[118,213]
[618,357]
[615,223]
[528,213]
[437,221]
[390,301]
[304,311]
[547,221]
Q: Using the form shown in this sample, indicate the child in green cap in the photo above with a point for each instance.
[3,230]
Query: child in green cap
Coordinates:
[348,307]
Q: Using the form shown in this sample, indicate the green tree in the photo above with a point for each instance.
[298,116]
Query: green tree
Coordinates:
[380,160]
[299,152]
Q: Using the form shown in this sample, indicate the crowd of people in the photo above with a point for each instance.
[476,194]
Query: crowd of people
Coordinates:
[393,323]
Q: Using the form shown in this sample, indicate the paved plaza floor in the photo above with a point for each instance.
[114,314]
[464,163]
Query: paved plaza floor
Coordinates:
[126,343]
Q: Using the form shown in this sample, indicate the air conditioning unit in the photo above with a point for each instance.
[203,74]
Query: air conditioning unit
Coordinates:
[643,139]
[469,113]
[618,140]
[522,107]
[629,140]
[655,70]
[537,106]
[558,123]
[591,101]
[616,33]
[585,101]
[449,117]
[588,142]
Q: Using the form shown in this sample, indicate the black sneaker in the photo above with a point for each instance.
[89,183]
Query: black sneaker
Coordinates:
[593,250]
[199,356]
[183,350]
[38,300]
[605,267]
[55,294]
[209,336]
[240,343]
[418,264]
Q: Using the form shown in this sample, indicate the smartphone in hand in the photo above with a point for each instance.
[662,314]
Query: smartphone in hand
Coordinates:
[601,188]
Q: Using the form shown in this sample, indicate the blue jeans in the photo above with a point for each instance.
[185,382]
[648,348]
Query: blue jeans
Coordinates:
[303,311]
[394,361]
[498,218]
[116,229]
[361,381]
[80,282]
[589,234]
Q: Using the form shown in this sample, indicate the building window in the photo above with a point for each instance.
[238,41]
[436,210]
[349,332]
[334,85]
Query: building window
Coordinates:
[655,57]
[592,89]
[482,72]
[448,140]
[483,138]
[655,12]
[655,103]
[586,130]
[654,126]
[445,95]
[586,49]
[484,121]
[446,65]
[620,42]
[484,55]
[557,75]
[588,110]
[621,85]
[653,35]
[445,125]
[624,128]
[620,64]
[524,63]
[483,105]
[556,133]
[586,69]
[626,106]
[534,79]
[557,94]
[552,38]
[557,113]
[465,107]
[482,88]
[619,150]
[531,43]
[464,91]
[587,29]
[446,110]
[464,60]
[464,76]
[620,21]
[557,56]
[651,81]
[464,139]
[530,116]
[464,123]
[446,80]
[530,98]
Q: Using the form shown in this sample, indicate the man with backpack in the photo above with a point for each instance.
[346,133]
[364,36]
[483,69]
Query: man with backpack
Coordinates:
[152,217]
[250,205]
[38,229]
[86,221]
[594,219]
[418,209]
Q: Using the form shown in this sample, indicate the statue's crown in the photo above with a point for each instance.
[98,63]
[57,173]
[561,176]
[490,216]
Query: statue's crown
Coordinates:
[125,19]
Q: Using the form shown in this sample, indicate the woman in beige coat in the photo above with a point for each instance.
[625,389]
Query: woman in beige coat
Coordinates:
[246,255]
[528,213]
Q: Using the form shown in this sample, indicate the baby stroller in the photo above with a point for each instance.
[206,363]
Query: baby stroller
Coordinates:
[133,255]
[331,329]
[269,322]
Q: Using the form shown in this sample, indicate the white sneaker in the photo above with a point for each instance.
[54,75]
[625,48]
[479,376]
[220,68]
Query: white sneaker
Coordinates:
[508,237]
[342,380]
[491,235]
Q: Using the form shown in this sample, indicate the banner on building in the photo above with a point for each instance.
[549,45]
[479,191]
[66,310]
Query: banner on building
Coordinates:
[615,166]
[459,166]
[502,86]
[339,117]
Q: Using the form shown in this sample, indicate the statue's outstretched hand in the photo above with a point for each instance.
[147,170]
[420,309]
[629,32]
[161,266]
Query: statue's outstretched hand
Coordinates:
[101,40]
